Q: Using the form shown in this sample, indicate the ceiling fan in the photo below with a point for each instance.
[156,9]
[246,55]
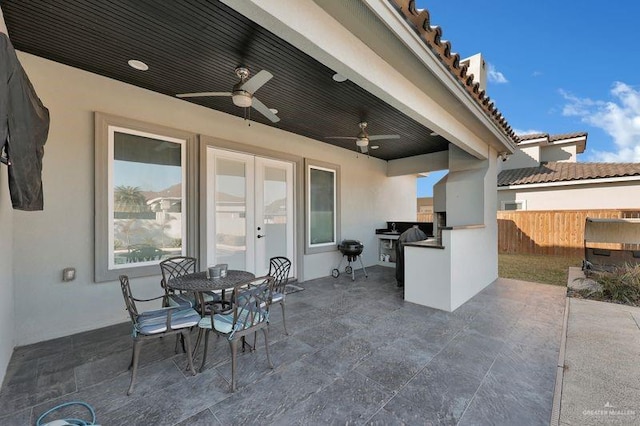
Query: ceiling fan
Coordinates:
[363,138]
[242,93]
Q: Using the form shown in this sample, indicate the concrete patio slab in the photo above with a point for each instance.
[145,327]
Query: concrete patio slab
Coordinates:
[601,381]
[357,353]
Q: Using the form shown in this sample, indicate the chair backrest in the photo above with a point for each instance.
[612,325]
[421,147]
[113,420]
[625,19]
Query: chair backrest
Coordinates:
[252,300]
[176,266]
[129,301]
[279,268]
[143,253]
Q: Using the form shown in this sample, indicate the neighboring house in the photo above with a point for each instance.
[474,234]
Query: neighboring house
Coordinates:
[544,174]
[334,65]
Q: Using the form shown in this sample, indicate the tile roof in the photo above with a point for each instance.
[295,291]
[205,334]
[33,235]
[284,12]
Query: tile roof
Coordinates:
[531,136]
[552,138]
[561,136]
[432,37]
[562,172]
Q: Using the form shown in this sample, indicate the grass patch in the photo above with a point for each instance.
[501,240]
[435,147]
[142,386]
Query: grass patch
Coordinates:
[535,268]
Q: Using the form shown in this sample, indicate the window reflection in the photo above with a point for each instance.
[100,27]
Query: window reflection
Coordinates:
[146,199]
[321,206]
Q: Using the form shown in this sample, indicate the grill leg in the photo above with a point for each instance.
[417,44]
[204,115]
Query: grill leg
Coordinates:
[353,272]
[363,268]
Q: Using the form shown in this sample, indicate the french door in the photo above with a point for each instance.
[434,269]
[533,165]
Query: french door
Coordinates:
[250,210]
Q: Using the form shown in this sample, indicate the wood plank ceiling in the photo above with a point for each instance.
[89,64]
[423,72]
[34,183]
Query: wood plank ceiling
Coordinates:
[194,46]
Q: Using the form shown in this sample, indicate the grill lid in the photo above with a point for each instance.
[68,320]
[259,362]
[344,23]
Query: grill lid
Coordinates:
[351,247]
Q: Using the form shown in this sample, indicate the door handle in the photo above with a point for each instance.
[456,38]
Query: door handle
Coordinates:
[261,236]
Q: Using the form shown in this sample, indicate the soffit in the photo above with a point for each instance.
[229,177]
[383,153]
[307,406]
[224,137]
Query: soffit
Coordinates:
[194,46]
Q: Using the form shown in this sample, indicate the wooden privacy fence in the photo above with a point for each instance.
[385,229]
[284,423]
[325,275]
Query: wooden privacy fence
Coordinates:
[549,232]
[425,217]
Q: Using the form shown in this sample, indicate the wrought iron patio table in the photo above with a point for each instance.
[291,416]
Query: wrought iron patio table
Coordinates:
[199,283]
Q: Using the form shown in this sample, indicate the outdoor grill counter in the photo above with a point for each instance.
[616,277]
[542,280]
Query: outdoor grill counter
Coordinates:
[411,235]
[444,273]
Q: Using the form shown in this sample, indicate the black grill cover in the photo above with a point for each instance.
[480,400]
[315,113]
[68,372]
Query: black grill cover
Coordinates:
[409,236]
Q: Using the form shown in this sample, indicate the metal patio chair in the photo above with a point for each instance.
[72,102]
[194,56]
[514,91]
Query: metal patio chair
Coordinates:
[279,268]
[178,266]
[249,313]
[153,324]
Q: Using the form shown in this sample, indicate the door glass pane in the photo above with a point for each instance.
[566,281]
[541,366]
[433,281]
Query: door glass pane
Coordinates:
[275,213]
[231,213]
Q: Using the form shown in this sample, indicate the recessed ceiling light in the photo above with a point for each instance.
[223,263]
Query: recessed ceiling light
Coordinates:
[139,65]
[273,110]
[374,147]
[434,134]
[339,78]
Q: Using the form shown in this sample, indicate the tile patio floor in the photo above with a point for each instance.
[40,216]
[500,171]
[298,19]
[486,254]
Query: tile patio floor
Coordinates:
[357,354]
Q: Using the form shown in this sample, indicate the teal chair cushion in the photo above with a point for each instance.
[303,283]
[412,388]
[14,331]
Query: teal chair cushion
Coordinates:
[223,323]
[181,300]
[154,322]
[277,297]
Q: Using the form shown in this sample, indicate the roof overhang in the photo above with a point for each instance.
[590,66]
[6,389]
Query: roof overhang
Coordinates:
[596,181]
[544,139]
[355,39]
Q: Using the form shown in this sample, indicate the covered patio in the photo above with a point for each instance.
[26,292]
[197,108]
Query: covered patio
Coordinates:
[112,74]
[357,353]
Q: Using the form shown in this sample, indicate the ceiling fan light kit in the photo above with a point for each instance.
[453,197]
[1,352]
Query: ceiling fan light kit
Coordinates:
[241,98]
[242,94]
[362,138]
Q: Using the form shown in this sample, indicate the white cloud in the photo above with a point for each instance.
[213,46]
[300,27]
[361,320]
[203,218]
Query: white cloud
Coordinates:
[619,118]
[495,76]
[536,74]
[522,132]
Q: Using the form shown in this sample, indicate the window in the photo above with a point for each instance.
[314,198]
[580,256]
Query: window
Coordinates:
[141,196]
[322,206]
[514,205]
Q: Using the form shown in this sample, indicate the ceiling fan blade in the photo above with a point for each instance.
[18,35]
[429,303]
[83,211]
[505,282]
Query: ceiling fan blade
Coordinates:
[262,109]
[256,82]
[202,94]
[381,137]
[351,138]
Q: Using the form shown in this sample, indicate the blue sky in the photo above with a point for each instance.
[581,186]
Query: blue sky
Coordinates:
[555,67]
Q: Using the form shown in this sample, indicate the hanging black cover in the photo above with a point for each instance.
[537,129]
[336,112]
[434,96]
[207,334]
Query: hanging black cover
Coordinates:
[24,126]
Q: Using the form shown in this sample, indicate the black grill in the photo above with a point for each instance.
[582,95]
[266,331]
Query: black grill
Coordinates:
[351,249]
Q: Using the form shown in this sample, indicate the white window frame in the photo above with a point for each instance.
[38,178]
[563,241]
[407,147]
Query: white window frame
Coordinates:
[520,205]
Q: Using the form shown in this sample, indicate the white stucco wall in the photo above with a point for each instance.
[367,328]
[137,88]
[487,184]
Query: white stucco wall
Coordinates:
[561,153]
[7,324]
[621,195]
[445,278]
[525,156]
[63,234]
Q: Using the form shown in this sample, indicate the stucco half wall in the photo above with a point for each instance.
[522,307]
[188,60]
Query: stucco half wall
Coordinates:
[63,234]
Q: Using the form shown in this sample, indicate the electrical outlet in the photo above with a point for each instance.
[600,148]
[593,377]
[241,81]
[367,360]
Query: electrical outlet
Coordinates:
[68,274]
